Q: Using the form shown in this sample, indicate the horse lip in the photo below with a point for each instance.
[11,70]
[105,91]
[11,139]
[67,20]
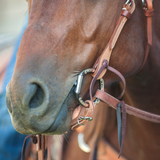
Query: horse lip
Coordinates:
[53,128]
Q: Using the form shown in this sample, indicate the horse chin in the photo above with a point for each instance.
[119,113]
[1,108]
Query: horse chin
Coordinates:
[58,126]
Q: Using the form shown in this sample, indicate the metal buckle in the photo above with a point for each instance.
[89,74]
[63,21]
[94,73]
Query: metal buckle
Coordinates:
[78,85]
[144,3]
[128,2]
[84,118]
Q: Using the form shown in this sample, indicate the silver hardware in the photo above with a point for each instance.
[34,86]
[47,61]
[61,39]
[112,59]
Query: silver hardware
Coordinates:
[84,118]
[80,79]
[129,2]
[78,85]
[144,4]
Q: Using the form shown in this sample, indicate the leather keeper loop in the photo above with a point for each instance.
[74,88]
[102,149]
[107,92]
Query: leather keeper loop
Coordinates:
[126,14]
[148,13]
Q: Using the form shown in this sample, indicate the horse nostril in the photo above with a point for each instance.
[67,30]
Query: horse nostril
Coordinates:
[37,98]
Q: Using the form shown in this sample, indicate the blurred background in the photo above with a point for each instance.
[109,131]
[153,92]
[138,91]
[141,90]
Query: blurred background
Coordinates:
[12,15]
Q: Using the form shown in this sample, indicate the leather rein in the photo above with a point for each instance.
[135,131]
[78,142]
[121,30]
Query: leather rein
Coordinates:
[98,71]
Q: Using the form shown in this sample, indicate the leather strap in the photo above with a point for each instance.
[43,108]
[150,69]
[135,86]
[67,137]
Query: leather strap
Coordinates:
[112,102]
[122,130]
[127,10]
[148,12]
[42,147]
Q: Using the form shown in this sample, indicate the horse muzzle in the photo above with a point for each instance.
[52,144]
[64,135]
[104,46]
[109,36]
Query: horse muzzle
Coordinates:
[31,108]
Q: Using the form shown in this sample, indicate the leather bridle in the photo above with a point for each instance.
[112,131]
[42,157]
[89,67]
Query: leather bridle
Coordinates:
[102,65]
[99,70]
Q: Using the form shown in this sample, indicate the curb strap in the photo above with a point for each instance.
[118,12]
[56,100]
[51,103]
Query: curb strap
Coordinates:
[83,117]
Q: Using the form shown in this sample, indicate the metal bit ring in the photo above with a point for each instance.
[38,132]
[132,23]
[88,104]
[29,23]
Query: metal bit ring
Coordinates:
[79,84]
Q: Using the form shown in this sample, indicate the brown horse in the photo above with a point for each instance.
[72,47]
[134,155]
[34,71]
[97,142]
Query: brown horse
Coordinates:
[64,37]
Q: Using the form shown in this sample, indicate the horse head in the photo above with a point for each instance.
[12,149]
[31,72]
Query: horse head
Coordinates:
[64,37]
